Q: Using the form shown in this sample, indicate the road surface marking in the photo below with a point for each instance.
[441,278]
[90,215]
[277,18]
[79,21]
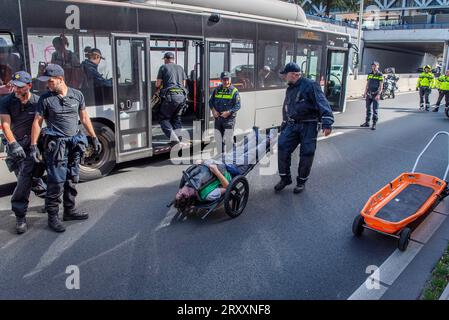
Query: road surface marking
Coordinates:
[398,261]
[335,134]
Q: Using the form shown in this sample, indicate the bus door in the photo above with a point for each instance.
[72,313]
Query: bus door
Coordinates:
[336,74]
[132,92]
[218,59]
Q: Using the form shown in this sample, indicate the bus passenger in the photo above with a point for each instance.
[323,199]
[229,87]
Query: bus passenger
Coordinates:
[93,79]
[171,86]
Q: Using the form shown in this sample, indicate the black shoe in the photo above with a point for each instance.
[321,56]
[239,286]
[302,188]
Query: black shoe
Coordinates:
[365,125]
[55,224]
[299,188]
[21,225]
[74,214]
[436,109]
[282,184]
[373,127]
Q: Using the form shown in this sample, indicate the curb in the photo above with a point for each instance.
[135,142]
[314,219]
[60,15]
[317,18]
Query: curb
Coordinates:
[445,294]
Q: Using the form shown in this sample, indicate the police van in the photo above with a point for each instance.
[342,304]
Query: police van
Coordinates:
[207,37]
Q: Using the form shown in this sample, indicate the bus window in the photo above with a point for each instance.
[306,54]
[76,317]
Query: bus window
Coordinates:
[96,87]
[242,64]
[124,68]
[10,62]
[272,59]
[308,57]
[54,48]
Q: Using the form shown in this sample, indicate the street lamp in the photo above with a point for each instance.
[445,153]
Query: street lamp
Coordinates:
[359,43]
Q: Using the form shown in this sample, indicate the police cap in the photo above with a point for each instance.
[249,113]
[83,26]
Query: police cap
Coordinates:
[169,55]
[290,67]
[21,79]
[97,51]
[51,70]
[225,75]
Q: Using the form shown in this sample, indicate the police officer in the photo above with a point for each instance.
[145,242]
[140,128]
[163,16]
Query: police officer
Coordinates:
[442,84]
[443,90]
[372,93]
[305,105]
[93,79]
[64,144]
[426,82]
[224,103]
[17,114]
[171,84]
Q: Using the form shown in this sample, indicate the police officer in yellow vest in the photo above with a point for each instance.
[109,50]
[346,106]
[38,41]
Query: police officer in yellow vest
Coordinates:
[443,88]
[442,84]
[224,103]
[426,83]
[373,89]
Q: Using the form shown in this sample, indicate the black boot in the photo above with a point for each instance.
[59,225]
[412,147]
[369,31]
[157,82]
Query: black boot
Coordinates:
[373,127]
[55,224]
[21,225]
[74,214]
[365,125]
[436,109]
[299,188]
[285,181]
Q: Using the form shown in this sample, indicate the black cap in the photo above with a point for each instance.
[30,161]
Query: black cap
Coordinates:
[169,55]
[97,51]
[225,74]
[21,79]
[51,70]
[290,67]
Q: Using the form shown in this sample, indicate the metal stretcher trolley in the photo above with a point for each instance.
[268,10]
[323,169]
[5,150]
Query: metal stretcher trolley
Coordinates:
[234,199]
[405,199]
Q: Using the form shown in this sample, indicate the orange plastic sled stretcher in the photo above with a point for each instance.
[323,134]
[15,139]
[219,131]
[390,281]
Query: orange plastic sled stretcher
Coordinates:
[402,201]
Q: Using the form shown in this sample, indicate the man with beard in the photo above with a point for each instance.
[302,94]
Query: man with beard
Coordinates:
[64,144]
[17,112]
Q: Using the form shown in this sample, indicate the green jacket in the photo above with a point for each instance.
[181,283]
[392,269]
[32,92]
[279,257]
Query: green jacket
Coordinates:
[443,83]
[426,79]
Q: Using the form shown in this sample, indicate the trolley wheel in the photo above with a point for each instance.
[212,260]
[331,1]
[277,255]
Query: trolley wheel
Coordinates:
[236,196]
[357,226]
[404,238]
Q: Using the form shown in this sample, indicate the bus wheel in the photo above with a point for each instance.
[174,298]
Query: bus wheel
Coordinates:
[94,165]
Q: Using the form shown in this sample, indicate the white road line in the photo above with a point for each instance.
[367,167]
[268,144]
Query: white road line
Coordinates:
[104,253]
[398,261]
[168,218]
[339,133]
[63,242]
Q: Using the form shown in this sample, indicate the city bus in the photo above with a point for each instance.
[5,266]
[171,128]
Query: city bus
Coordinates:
[252,39]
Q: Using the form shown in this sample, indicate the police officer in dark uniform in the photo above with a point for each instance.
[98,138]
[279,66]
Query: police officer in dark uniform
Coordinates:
[304,107]
[17,112]
[64,144]
[171,84]
[93,79]
[224,103]
[372,92]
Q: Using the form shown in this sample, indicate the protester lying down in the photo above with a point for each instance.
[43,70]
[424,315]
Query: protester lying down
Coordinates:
[206,181]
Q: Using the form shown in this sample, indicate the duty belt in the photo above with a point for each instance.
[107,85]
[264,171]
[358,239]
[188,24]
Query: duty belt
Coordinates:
[291,120]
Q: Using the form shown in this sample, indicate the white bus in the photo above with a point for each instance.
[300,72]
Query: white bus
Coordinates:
[207,37]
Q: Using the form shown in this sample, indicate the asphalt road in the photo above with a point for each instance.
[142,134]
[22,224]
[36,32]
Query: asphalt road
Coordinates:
[284,246]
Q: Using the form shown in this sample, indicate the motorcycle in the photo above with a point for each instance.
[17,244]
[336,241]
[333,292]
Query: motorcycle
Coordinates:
[390,87]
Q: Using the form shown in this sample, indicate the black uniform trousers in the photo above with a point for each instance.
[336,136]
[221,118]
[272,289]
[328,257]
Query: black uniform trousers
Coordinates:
[170,113]
[28,175]
[292,134]
[62,158]
[424,93]
[224,132]
[371,101]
